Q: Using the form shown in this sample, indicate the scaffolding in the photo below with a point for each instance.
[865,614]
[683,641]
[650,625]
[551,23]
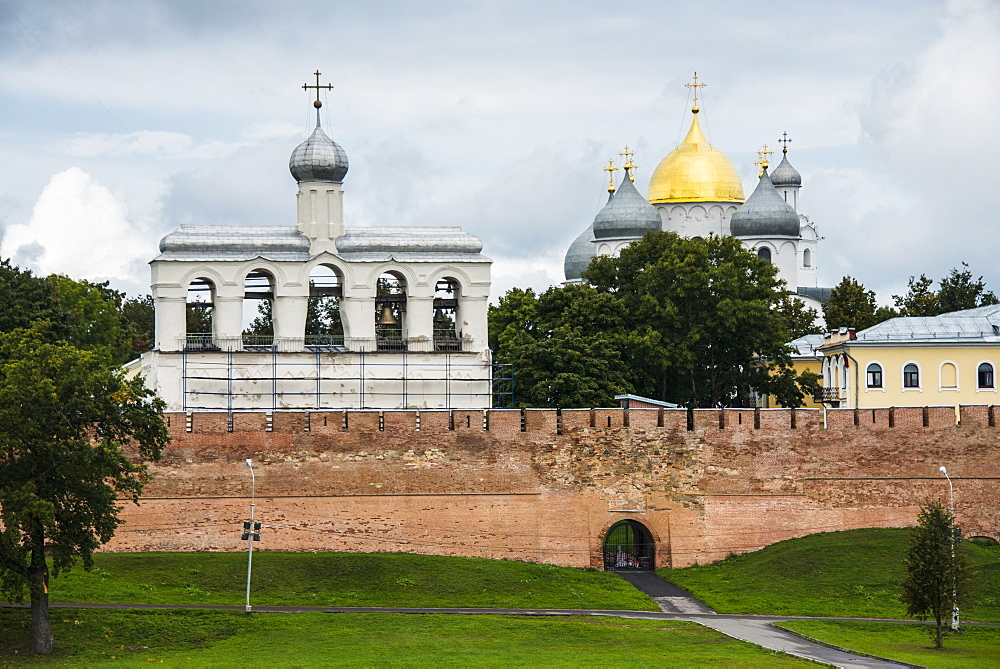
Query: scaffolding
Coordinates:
[324,379]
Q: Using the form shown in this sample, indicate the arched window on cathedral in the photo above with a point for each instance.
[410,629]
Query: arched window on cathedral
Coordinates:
[390,312]
[764,253]
[199,321]
[447,328]
[324,327]
[258,310]
[807,258]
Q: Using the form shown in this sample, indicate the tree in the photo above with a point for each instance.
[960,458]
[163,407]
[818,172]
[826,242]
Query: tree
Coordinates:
[704,318]
[73,433]
[90,316]
[138,323]
[935,570]
[24,298]
[799,320]
[957,292]
[920,299]
[850,305]
[564,346]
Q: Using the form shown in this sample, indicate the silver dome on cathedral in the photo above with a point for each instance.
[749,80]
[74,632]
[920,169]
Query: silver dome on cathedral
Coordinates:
[319,158]
[785,175]
[765,214]
[579,255]
[627,214]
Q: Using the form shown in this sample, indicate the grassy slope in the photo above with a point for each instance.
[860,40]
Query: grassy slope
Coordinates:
[343,579]
[855,573]
[210,638]
[973,647]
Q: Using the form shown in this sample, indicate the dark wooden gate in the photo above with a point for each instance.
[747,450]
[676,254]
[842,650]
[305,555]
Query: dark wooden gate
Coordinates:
[628,546]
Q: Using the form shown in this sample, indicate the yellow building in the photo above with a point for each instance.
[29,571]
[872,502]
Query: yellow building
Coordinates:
[943,360]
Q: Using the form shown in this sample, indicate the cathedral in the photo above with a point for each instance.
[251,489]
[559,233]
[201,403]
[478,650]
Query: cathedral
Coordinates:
[364,317]
[695,191]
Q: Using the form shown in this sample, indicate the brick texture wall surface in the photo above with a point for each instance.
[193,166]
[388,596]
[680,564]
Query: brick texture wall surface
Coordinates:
[546,486]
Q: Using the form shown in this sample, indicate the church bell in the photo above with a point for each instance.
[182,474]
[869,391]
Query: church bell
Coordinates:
[387,318]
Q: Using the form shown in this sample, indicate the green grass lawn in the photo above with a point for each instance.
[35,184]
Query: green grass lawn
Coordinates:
[215,638]
[913,643]
[852,574]
[343,579]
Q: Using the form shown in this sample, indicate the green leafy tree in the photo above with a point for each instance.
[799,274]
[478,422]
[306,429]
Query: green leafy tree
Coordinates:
[799,320]
[920,298]
[89,314]
[564,346]
[957,291]
[138,323]
[24,298]
[703,318]
[72,434]
[850,305]
[936,571]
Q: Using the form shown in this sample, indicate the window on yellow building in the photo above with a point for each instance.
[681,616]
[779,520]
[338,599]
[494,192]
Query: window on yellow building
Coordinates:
[911,376]
[874,375]
[985,374]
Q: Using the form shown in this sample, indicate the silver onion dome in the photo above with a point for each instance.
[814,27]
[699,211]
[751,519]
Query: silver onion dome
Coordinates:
[579,255]
[765,214]
[627,214]
[785,175]
[319,158]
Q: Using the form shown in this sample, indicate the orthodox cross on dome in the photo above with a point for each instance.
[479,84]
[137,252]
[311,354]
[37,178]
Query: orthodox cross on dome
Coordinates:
[611,169]
[784,141]
[761,161]
[629,165]
[695,86]
[317,103]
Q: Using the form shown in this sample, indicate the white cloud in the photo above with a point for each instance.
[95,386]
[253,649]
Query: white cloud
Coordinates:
[79,228]
[160,144]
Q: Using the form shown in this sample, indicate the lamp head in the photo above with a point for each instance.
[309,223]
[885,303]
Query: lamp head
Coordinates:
[944,471]
[250,464]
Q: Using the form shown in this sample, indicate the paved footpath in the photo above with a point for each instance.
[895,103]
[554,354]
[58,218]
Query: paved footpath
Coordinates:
[757,630]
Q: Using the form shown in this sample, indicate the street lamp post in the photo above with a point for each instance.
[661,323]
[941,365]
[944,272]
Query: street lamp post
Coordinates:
[954,586]
[250,530]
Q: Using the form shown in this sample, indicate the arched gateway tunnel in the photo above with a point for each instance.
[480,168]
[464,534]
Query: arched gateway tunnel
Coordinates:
[629,546]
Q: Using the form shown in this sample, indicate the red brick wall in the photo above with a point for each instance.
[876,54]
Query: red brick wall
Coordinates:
[434,482]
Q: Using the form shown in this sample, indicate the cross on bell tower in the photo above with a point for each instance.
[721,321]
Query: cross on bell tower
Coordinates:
[317,103]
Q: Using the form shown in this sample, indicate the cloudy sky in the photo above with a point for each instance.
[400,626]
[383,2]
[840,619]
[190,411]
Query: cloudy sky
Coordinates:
[121,120]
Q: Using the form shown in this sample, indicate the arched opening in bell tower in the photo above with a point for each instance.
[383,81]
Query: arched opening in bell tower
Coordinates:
[390,312]
[447,327]
[629,546]
[258,309]
[324,326]
[198,318]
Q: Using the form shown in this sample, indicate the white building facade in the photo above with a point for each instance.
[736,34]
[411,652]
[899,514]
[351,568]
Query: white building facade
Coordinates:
[408,305]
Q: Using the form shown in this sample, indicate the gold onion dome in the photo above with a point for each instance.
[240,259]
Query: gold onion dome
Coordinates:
[695,171]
